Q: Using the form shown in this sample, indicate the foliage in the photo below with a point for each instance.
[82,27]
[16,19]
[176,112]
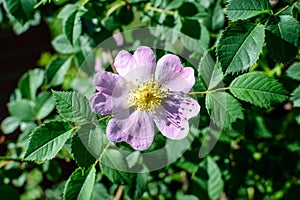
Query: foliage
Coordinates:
[247,63]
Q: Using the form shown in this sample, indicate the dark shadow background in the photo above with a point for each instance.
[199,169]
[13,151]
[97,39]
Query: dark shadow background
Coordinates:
[18,54]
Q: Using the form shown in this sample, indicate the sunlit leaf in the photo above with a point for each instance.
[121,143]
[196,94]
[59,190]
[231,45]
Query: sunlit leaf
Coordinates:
[73,106]
[223,109]
[282,38]
[243,10]
[294,71]
[240,46]
[80,184]
[259,89]
[47,139]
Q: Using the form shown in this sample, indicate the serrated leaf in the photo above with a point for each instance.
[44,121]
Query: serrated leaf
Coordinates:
[296,97]
[80,184]
[223,109]
[10,124]
[73,107]
[209,74]
[30,82]
[72,26]
[243,10]
[115,167]
[62,45]
[259,89]
[215,183]
[282,38]
[56,71]
[44,105]
[47,139]
[294,71]
[22,109]
[82,155]
[239,46]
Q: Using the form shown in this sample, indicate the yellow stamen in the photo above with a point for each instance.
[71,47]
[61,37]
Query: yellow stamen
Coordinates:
[147,95]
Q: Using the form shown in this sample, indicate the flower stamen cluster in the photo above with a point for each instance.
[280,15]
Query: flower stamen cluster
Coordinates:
[146,95]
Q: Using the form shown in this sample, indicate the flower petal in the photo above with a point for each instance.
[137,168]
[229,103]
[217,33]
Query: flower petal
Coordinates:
[172,117]
[137,130]
[139,66]
[173,75]
[112,94]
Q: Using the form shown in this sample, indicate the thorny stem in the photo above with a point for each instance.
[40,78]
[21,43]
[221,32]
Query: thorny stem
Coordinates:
[169,12]
[209,91]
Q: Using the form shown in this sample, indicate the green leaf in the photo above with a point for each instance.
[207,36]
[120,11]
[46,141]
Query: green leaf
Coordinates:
[294,71]
[10,124]
[81,154]
[80,184]
[215,19]
[114,166]
[62,45]
[243,10]
[72,26]
[22,10]
[296,97]
[56,71]
[259,89]
[215,183]
[100,192]
[207,183]
[47,139]
[30,82]
[239,46]
[44,105]
[74,107]
[67,10]
[282,38]
[22,109]
[223,109]
[209,74]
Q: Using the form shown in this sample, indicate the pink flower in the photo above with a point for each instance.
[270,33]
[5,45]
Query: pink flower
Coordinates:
[143,94]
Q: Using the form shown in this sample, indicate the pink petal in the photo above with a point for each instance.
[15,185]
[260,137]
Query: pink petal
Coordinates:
[173,75]
[139,66]
[112,94]
[172,117]
[137,130]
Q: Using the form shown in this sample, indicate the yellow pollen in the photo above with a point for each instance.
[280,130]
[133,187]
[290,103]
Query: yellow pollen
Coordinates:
[146,95]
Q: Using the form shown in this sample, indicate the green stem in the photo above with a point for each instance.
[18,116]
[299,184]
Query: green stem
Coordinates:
[101,155]
[91,122]
[168,12]
[282,10]
[209,91]
[5,158]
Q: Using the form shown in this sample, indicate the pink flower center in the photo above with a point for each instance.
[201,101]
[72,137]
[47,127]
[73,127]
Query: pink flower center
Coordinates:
[146,95]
